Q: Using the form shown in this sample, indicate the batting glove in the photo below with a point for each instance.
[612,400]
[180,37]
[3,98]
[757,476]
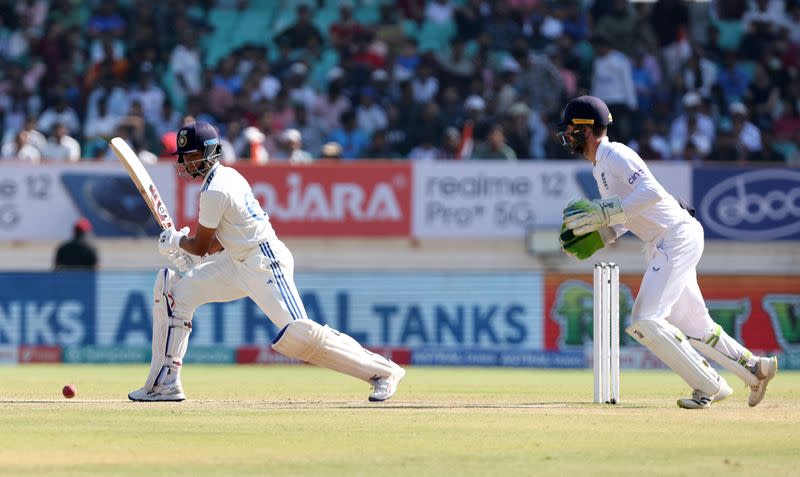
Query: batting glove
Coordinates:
[182,261]
[170,240]
[585,216]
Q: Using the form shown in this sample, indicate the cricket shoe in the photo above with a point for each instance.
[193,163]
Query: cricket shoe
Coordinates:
[171,392]
[701,400]
[766,369]
[384,388]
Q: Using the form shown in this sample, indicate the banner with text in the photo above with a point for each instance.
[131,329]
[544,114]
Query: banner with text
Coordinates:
[748,204]
[366,199]
[42,202]
[495,311]
[761,312]
[502,199]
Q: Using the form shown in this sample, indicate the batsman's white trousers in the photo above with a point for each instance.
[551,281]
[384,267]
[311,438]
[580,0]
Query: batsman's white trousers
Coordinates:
[669,288]
[266,275]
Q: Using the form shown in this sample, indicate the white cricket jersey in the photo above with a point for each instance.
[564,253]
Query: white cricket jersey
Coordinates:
[228,205]
[649,209]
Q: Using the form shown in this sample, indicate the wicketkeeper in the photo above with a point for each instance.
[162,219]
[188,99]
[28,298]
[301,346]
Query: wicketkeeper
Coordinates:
[669,316]
[246,259]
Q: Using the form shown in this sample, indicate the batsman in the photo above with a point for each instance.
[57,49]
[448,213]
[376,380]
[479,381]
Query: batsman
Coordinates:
[243,257]
[669,316]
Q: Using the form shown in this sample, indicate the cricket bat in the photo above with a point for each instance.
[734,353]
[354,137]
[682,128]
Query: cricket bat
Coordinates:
[143,182]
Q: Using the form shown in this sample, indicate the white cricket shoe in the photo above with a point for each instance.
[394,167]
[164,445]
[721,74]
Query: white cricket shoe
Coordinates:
[172,392]
[766,369]
[384,388]
[701,400]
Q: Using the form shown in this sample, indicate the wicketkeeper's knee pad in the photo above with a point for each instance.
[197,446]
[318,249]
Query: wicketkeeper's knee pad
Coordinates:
[326,347]
[170,333]
[670,345]
[719,346]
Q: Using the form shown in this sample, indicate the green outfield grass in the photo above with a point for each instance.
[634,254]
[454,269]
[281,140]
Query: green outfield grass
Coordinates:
[274,420]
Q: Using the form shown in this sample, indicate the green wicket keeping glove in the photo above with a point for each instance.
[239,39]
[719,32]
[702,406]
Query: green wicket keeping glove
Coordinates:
[585,216]
[580,246]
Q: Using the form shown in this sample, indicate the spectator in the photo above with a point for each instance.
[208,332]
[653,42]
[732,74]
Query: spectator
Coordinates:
[651,143]
[379,147]
[78,252]
[166,120]
[61,113]
[764,96]
[148,93]
[494,147]
[186,66]
[21,149]
[470,18]
[369,115]
[698,74]
[501,28]
[746,132]
[352,140]
[425,86]
[451,144]
[732,79]
[619,27]
[232,142]
[301,32]
[346,29]
[426,150]
[407,59]
[100,127]
[518,130]
[62,147]
[297,87]
[329,108]
[332,150]
[439,11]
[311,133]
[541,83]
[455,66]
[389,29]
[612,81]
[292,148]
[268,84]
[691,127]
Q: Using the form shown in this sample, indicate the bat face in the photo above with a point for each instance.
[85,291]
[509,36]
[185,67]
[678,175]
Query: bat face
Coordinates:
[159,209]
[143,182]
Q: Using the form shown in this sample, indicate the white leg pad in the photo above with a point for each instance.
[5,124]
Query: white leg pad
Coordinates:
[323,346]
[670,346]
[170,334]
[710,347]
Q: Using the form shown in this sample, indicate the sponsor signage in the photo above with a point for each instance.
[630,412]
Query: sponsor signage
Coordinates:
[369,199]
[503,199]
[761,312]
[748,204]
[42,202]
[433,356]
[39,354]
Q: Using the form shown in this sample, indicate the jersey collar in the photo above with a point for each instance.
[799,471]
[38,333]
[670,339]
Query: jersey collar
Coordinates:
[602,150]
[210,176]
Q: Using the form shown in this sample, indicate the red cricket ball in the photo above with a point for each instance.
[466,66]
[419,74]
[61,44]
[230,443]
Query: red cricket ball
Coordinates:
[69,391]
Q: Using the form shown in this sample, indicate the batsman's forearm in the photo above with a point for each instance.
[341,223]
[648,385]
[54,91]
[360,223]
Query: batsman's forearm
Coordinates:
[193,246]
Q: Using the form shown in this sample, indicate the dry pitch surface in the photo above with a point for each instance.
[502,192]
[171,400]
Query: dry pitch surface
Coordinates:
[443,421]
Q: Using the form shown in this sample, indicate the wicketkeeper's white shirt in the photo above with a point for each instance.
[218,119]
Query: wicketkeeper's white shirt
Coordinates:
[228,205]
[649,208]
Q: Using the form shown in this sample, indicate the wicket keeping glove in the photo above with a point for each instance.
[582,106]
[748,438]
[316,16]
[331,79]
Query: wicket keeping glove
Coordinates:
[170,240]
[584,246]
[585,216]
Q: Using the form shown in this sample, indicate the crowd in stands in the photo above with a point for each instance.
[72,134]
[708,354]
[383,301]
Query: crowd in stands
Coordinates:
[299,80]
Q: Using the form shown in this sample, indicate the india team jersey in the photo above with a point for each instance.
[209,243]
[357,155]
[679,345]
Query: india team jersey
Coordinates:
[649,208]
[227,204]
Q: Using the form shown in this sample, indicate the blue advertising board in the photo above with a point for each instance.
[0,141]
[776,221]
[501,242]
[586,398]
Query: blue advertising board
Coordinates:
[748,204]
[490,311]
